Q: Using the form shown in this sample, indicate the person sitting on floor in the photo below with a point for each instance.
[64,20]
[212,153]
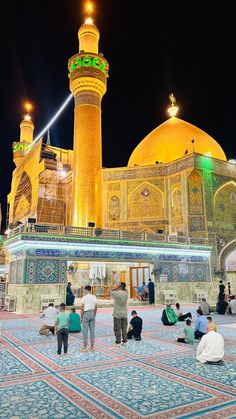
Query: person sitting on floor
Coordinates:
[141,291]
[211,348]
[74,325]
[169,317]
[205,307]
[135,326]
[188,333]
[49,315]
[180,315]
[201,324]
[209,318]
[232,305]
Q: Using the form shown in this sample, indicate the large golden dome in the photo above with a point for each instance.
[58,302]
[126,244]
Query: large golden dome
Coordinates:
[172,140]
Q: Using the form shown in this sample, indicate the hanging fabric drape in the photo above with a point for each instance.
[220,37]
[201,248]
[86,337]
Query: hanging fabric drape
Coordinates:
[97,270]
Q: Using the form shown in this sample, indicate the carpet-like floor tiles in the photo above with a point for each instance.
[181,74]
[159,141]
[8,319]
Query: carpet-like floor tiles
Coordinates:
[154,378]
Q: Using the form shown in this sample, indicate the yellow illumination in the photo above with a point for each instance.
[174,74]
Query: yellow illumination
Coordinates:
[28,106]
[170,141]
[173,110]
[27,117]
[89,21]
[89,11]
[89,8]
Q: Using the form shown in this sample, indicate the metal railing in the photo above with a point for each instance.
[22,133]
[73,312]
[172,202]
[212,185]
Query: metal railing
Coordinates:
[106,234]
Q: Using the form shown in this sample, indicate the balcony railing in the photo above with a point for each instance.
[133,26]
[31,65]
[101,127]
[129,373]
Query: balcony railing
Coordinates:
[106,234]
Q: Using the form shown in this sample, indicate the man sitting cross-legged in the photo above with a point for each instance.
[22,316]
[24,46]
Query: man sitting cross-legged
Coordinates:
[210,350]
[181,316]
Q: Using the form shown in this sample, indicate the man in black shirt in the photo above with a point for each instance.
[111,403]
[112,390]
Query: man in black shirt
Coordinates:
[135,326]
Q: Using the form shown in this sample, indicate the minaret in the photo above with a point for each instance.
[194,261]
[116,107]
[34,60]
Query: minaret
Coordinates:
[88,72]
[26,136]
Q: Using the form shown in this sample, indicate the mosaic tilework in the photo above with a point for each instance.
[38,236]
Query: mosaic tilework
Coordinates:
[46,271]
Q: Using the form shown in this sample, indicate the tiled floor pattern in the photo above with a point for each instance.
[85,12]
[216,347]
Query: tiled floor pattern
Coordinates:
[154,378]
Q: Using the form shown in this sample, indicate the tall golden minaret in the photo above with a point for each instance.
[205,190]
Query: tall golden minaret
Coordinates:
[88,72]
[26,136]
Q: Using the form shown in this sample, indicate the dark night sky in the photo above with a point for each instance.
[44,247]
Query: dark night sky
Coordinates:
[179,46]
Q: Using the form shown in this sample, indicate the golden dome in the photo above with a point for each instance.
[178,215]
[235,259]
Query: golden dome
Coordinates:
[172,140]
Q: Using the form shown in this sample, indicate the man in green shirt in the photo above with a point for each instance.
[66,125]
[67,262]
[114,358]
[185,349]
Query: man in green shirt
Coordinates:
[75,325]
[61,329]
[188,333]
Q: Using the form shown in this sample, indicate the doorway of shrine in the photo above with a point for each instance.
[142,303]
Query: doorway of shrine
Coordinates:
[104,276]
[139,275]
[230,269]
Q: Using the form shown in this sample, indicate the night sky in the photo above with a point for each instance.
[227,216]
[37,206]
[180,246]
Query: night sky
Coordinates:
[183,47]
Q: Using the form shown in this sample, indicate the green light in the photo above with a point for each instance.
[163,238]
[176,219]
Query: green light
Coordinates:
[20,147]
[87,61]
[206,163]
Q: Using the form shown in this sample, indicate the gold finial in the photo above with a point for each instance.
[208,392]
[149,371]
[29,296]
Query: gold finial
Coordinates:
[173,110]
[89,11]
[172,99]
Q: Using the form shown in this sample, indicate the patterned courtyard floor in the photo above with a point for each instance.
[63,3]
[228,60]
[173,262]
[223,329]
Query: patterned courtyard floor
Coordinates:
[154,378]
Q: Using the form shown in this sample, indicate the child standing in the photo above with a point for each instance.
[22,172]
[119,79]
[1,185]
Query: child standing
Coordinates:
[188,333]
[61,329]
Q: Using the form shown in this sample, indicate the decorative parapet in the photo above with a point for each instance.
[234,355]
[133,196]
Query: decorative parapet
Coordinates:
[88,61]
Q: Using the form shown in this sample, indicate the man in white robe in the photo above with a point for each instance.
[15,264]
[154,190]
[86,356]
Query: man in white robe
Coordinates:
[211,347]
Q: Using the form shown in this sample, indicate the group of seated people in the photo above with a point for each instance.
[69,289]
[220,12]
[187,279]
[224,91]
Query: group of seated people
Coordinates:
[211,346]
[170,317]
[226,305]
[49,316]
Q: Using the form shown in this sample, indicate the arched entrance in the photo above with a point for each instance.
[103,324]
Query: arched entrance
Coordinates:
[228,264]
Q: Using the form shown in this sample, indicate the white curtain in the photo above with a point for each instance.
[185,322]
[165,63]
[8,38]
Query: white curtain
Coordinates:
[97,270]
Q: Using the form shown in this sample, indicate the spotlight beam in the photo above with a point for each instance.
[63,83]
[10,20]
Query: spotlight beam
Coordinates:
[57,114]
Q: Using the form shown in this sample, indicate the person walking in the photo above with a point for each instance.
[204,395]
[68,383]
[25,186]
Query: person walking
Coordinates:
[151,292]
[61,329]
[88,314]
[120,296]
